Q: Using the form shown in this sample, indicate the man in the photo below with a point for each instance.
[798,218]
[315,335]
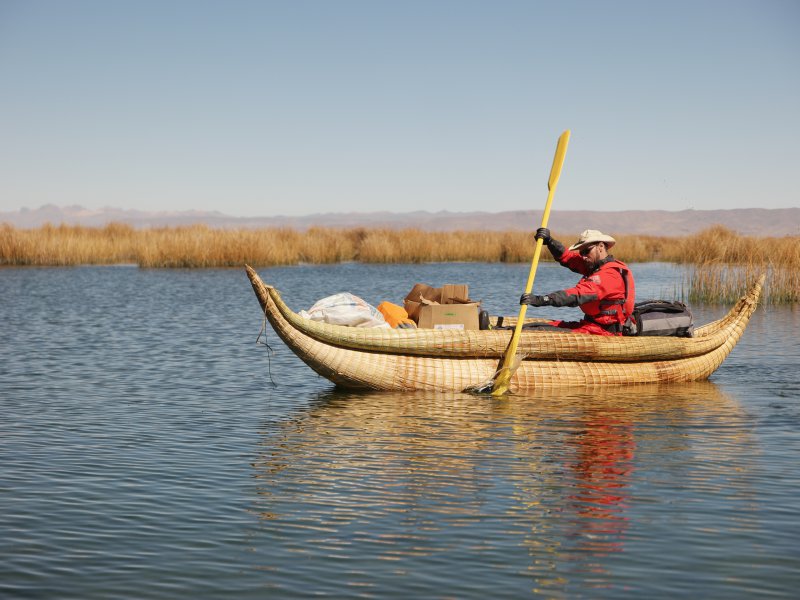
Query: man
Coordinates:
[605,293]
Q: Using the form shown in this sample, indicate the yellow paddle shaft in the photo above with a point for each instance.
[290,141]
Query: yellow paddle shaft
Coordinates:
[504,374]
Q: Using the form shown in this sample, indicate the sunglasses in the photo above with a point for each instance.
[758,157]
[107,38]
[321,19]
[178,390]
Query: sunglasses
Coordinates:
[586,250]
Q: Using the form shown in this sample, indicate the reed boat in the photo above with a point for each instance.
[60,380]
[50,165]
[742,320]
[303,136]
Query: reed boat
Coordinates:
[458,360]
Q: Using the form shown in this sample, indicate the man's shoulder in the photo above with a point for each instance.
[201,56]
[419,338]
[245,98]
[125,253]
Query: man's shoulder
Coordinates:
[615,269]
[615,264]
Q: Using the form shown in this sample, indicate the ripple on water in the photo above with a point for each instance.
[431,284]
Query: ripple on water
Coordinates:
[144,448]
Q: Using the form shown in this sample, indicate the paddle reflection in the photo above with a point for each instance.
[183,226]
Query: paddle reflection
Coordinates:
[454,477]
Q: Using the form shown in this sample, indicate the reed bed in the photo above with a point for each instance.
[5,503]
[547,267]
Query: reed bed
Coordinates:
[67,245]
[715,283]
[723,262]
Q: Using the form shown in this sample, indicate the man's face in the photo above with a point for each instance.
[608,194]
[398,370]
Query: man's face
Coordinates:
[592,254]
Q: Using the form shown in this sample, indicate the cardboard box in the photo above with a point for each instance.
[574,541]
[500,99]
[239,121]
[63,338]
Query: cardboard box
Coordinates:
[419,294]
[447,307]
[449,316]
[454,294]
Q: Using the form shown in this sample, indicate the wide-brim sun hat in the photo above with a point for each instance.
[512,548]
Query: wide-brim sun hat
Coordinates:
[592,236]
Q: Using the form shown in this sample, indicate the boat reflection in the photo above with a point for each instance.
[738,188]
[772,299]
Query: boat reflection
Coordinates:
[403,476]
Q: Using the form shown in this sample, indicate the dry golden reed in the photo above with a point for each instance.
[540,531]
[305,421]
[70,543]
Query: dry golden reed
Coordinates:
[67,245]
[723,261]
[724,264]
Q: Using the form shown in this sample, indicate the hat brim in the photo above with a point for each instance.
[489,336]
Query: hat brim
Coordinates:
[609,242]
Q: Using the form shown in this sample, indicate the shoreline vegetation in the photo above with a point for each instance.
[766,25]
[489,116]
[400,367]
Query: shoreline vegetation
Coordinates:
[721,262]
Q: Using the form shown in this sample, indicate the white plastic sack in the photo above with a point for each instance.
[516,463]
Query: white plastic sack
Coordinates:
[345,309]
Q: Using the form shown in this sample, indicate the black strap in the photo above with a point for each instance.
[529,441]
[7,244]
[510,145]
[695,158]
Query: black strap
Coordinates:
[610,327]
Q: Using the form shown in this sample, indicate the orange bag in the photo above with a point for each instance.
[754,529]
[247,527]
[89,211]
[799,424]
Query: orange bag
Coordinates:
[395,315]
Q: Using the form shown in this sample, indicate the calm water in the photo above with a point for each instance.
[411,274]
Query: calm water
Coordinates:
[146,453]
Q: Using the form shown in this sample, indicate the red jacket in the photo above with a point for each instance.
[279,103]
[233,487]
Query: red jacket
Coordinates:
[605,294]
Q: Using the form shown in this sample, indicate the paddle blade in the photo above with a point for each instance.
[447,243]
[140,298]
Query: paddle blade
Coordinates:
[499,383]
[558,160]
[503,380]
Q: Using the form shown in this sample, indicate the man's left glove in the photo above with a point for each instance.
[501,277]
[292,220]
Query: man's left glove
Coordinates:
[543,233]
[533,300]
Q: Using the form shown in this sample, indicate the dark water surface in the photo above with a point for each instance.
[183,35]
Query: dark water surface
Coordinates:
[145,453]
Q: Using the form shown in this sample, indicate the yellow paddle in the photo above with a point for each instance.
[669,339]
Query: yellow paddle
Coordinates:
[508,366]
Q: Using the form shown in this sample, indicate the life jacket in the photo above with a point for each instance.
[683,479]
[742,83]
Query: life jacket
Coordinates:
[612,313]
[619,310]
[606,302]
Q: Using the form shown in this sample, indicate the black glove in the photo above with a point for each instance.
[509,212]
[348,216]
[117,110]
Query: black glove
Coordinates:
[533,300]
[543,233]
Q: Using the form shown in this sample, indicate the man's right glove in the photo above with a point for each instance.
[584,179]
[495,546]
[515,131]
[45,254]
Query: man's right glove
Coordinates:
[533,300]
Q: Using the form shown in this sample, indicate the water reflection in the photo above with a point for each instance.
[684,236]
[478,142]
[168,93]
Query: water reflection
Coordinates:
[540,486]
[602,468]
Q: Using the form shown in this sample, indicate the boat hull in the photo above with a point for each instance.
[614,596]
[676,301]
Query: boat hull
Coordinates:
[446,361]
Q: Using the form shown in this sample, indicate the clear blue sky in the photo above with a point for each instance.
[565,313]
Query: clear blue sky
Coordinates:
[259,108]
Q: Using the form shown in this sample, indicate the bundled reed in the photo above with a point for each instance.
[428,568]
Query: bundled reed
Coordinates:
[456,360]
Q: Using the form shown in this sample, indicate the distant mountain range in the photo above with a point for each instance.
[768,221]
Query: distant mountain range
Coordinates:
[747,221]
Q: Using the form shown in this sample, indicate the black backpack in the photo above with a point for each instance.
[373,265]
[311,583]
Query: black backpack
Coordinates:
[660,317]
